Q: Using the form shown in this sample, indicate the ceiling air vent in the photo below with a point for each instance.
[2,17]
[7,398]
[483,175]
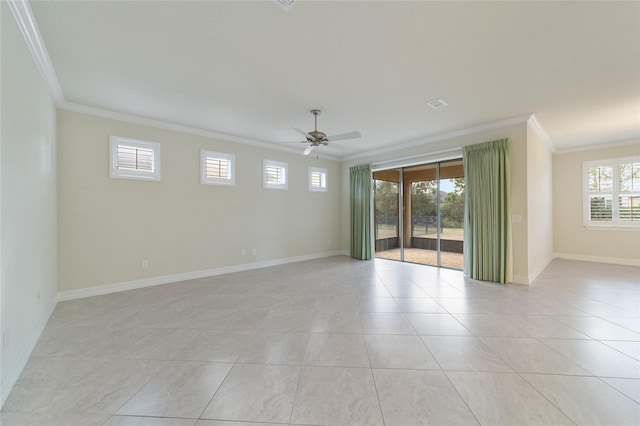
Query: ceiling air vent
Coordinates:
[285,4]
[437,103]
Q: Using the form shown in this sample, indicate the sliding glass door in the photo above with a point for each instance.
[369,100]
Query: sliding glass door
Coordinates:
[451,213]
[387,221]
[420,214]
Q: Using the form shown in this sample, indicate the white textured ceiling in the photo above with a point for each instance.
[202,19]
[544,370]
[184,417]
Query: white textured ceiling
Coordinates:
[254,70]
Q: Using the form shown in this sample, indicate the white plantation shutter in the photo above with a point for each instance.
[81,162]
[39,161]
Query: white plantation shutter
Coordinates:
[317,179]
[134,159]
[600,208]
[629,207]
[612,192]
[217,168]
[275,174]
[130,158]
[600,191]
[629,191]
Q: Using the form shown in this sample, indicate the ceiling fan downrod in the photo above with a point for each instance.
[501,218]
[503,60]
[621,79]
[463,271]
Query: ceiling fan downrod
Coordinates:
[318,137]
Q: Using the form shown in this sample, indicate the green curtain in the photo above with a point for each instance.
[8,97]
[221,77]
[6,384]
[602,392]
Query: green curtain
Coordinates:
[487,232]
[361,243]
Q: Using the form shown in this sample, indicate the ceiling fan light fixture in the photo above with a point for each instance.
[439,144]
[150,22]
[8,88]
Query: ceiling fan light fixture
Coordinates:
[437,103]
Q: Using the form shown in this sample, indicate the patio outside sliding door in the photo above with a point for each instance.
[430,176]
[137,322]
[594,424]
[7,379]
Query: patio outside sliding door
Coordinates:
[430,210]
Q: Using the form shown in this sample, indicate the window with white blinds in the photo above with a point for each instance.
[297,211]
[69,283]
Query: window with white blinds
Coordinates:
[217,168]
[274,174]
[134,159]
[612,192]
[317,179]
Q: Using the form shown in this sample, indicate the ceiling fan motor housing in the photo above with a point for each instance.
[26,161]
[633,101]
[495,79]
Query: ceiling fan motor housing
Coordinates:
[318,136]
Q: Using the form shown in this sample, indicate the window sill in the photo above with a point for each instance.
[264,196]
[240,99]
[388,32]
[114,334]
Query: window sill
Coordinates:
[612,228]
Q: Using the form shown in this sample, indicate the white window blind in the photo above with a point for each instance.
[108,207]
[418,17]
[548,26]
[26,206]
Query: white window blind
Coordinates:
[217,168]
[317,179]
[134,159]
[612,192]
[275,174]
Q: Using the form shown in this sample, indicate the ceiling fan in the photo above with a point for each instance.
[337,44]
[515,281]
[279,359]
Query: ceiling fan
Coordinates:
[316,137]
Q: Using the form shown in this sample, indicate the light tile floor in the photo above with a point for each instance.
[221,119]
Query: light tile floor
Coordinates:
[424,257]
[340,341]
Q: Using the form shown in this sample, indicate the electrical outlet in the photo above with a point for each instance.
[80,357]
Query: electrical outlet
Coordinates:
[254,252]
[6,339]
[242,252]
[144,264]
[516,218]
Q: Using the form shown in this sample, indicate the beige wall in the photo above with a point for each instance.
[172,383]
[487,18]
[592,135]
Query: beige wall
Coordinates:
[108,226]
[539,203]
[518,135]
[571,238]
[27,201]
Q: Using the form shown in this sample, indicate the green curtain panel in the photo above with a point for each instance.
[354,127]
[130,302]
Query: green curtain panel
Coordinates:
[361,243]
[487,238]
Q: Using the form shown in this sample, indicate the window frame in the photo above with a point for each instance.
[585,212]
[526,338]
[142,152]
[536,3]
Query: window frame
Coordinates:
[206,180]
[323,179]
[274,185]
[616,223]
[116,173]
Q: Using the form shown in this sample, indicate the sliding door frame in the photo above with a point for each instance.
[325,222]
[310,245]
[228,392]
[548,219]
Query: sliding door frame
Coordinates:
[401,202]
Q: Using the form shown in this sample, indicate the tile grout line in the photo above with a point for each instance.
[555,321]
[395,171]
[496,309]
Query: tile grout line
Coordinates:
[461,397]
[301,367]
[547,399]
[375,386]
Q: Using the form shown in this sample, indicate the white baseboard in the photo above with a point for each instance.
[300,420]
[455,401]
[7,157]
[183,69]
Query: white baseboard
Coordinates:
[166,279]
[527,280]
[521,279]
[598,259]
[15,370]
[535,274]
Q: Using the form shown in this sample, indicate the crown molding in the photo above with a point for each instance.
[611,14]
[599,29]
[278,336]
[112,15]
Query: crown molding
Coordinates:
[160,124]
[537,127]
[444,136]
[598,146]
[29,28]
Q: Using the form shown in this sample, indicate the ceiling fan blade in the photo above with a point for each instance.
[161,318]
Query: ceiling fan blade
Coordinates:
[294,142]
[343,136]
[303,133]
[308,150]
